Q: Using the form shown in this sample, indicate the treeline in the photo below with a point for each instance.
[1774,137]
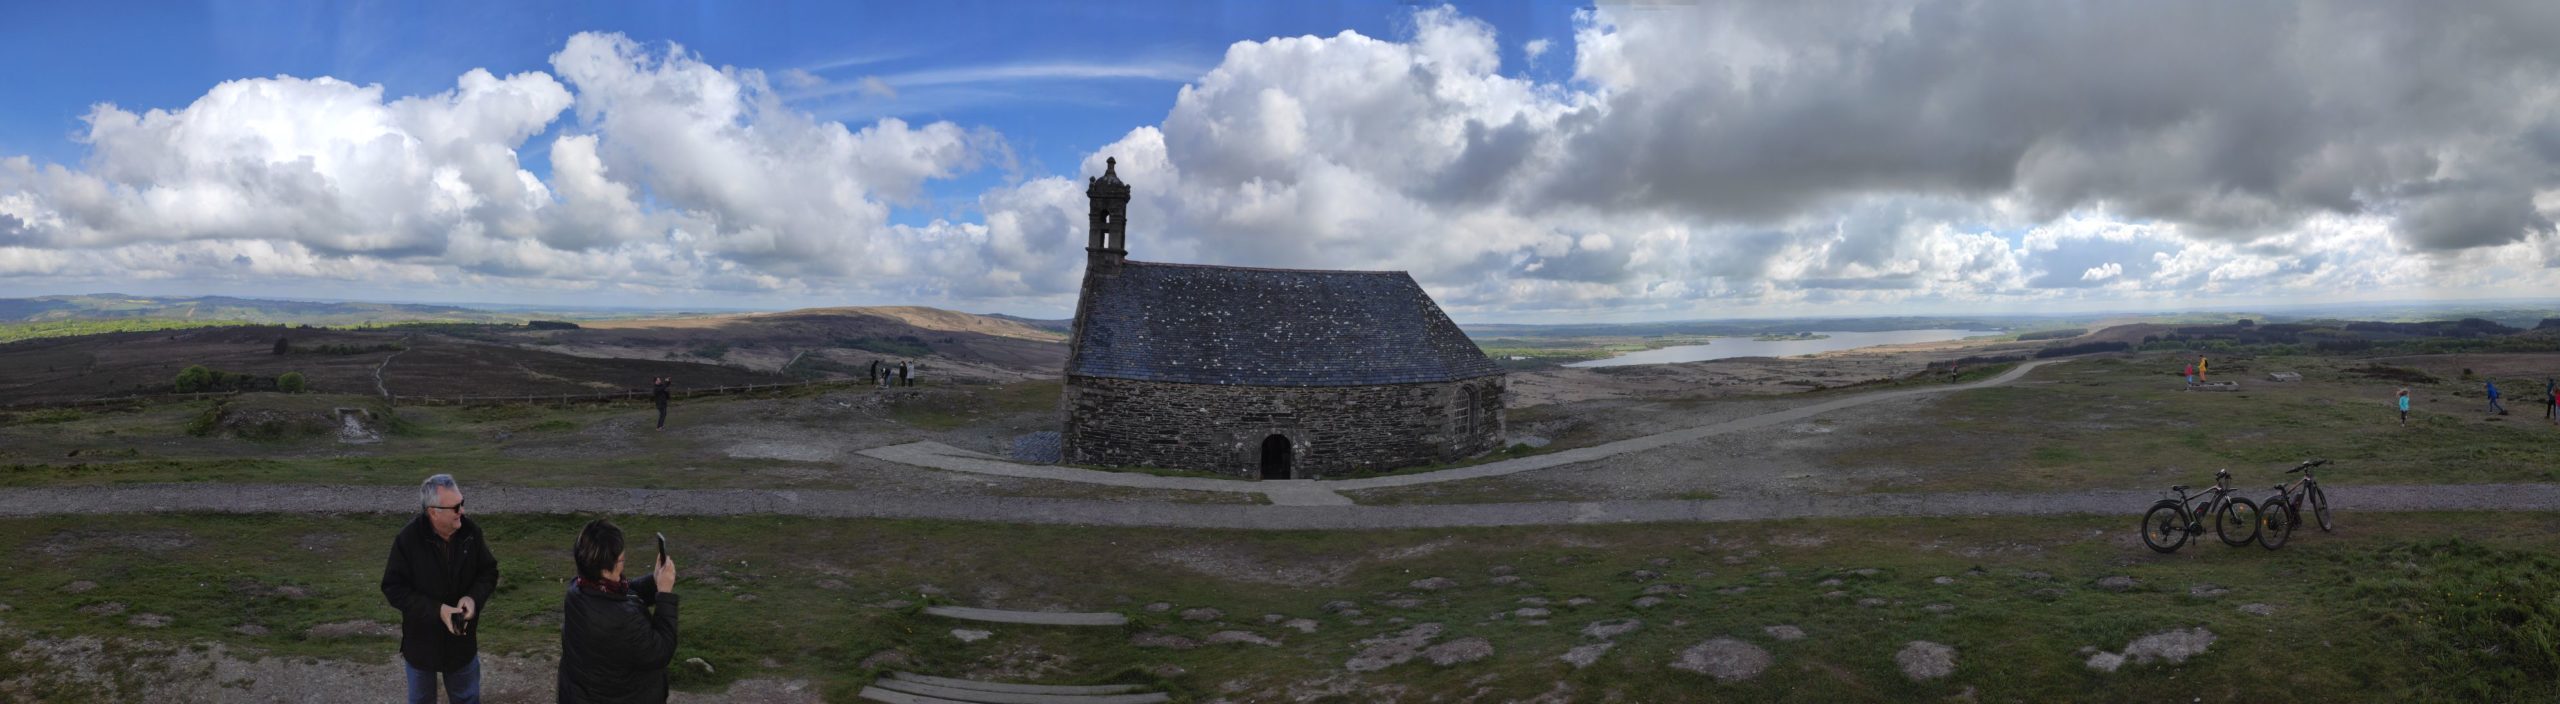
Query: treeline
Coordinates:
[201,379]
[2052,334]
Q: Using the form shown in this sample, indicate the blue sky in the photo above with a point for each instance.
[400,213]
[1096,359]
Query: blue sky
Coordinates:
[1524,161]
[1057,79]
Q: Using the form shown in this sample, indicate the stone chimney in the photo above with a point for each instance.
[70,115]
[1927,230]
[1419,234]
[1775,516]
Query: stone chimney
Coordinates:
[1108,242]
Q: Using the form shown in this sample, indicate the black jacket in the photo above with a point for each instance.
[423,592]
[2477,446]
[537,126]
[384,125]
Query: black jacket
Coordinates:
[426,572]
[658,393]
[612,648]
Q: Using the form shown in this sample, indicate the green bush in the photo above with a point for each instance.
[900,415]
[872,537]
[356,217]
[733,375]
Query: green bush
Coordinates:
[195,379]
[291,383]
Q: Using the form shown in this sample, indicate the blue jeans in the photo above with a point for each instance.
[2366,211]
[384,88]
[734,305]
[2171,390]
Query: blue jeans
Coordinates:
[460,686]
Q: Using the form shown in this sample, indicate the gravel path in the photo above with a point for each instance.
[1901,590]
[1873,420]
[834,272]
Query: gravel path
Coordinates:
[2347,500]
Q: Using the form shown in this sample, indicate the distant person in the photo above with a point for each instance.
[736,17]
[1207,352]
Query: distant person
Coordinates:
[2551,398]
[906,374]
[2200,373]
[875,371]
[2493,398]
[658,395]
[2191,373]
[914,369]
[440,576]
[1954,370]
[2404,405]
[616,637]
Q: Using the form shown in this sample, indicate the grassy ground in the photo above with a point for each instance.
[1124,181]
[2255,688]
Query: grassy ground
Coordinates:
[2393,607]
[2130,423]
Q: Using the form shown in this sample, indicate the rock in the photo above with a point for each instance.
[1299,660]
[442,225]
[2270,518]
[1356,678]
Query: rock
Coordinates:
[1939,608]
[1404,603]
[110,608]
[1329,607]
[1157,639]
[1224,637]
[1168,671]
[1647,602]
[1832,582]
[1499,570]
[1774,574]
[1161,607]
[1922,660]
[1578,601]
[1535,600]
[2258,609]
[698,662]
[1866,572]
[970,635]
[1433,584]
[1870,602]
[1703,574]
[148,621]
[1644,575]
[2105,662]
[1202,614]
[1349,613]
[2172,646]
[1659,562]
[1943,581]
[896,604]
[1582,656]
[1273,618]
[2207,591]
[79,586]
[1533,441]
[1531,612]
[1504,580]
[833,585]
[1834,594]
[1725,659]
[1462,650]
[2118,583]
[1733,590]
[1302,625]
[2035,576]
[1389,650]
[1784,632]
[249,629]
[1610,630]
[1660,589]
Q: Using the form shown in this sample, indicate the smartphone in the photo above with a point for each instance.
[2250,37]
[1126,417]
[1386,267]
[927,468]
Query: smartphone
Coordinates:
[662,547]
[461,625]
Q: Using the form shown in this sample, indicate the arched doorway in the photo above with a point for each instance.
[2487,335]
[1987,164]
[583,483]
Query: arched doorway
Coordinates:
[1275,457]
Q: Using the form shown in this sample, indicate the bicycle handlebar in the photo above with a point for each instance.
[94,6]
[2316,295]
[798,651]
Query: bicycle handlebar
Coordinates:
[2306,464]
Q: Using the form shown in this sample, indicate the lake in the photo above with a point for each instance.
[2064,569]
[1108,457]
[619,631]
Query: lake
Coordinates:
[1727,347]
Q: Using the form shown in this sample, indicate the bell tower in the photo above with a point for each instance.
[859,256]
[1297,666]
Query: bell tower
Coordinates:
[1107,243]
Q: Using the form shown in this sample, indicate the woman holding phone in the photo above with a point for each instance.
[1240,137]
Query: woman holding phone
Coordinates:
[616,636]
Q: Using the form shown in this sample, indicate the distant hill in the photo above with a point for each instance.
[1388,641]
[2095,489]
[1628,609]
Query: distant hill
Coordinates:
[1060,326]
[111,306]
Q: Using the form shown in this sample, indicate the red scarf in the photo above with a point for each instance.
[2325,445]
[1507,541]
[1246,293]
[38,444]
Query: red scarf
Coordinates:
[614,587]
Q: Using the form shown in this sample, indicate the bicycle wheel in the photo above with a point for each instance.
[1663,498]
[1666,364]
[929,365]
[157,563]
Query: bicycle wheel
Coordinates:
[2164,528]
[2320,509]
[2275,522]
[2235,516]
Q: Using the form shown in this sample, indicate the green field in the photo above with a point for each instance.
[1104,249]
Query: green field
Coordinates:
[2405,607]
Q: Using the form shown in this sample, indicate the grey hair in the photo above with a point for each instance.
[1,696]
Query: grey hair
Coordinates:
[427,489]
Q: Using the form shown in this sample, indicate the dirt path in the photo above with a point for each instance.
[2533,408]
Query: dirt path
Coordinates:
[378,385]
[2347,500]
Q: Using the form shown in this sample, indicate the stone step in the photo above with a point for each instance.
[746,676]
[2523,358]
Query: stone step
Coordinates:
[1035,618]
[1019,688]
[938,693]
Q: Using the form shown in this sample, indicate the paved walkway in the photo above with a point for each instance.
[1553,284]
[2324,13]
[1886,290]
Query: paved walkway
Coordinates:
[1321,492]
[2347,500]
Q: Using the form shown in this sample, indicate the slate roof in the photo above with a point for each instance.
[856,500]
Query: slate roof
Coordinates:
[1270,327]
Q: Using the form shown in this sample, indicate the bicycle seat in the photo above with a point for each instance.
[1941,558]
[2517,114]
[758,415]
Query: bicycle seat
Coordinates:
[2279,487]
[2181,487]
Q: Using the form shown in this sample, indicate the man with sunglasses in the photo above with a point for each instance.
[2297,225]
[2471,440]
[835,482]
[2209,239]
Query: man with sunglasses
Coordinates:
[439,577]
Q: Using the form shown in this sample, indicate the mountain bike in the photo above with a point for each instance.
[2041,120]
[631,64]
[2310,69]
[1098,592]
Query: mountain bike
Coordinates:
[2170,522]
[2281,513]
